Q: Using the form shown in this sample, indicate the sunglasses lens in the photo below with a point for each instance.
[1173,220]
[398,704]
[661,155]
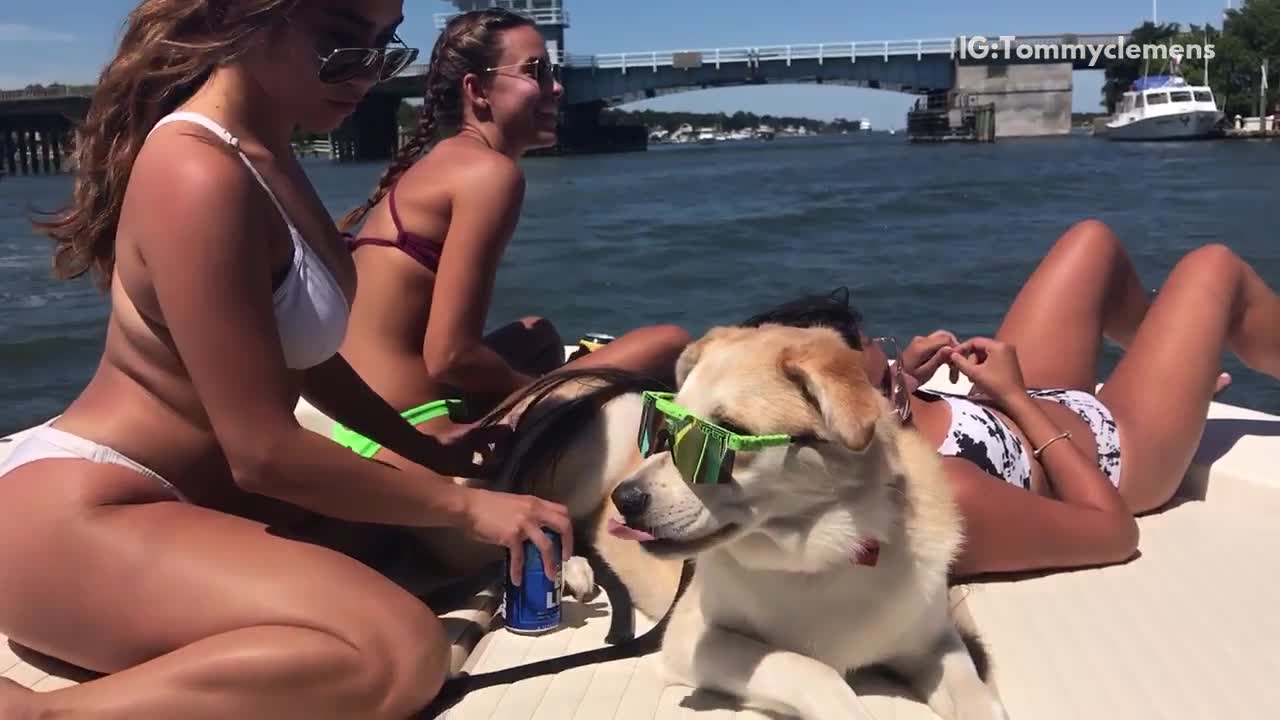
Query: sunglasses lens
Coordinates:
[396,61]
[655,435]
[901,400]
[699,451]
[348,63]
[548,74]
[896,378]
[700,455]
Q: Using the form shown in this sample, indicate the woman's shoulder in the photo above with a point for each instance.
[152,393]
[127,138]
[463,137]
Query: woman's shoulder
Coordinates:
[186,182]
[469,163]
[183,165]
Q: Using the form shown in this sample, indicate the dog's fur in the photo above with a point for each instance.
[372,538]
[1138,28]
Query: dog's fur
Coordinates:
[778,611]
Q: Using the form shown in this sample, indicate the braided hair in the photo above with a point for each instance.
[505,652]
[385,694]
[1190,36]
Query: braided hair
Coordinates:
[469,43]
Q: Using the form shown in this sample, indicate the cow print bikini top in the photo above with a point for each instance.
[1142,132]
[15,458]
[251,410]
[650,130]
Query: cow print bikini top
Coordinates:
[978,435]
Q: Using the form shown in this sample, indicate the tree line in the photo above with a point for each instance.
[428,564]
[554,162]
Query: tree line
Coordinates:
[737,121]
[1249,34]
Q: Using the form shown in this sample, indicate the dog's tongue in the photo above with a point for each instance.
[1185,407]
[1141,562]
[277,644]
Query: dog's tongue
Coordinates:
[620,530]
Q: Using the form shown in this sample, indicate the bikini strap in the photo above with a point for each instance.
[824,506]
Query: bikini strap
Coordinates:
[226,136]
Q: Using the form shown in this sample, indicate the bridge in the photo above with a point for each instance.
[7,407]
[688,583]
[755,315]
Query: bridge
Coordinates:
[1027,78]
[911,66]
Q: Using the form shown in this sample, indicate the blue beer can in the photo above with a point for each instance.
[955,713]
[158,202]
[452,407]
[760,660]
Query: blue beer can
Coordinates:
[534,605]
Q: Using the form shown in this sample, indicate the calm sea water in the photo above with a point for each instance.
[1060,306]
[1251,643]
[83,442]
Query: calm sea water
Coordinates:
[924,236]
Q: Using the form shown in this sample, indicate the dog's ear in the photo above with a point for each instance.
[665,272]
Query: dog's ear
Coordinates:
[689,357]
[834,382]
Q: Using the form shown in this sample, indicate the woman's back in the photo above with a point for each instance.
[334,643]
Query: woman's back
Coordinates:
[386,336]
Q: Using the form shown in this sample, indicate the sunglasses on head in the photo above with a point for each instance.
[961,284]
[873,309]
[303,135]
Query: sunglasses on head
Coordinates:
[544,72]
[343,64]
[893,384]
[702,451]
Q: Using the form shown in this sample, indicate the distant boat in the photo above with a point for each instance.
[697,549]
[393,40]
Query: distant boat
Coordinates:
[1163,107]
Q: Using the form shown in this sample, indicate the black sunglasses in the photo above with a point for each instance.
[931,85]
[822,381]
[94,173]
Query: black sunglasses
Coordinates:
[345,64]
[544,72]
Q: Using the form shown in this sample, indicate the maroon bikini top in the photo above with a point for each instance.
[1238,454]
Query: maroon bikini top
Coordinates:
[424,250]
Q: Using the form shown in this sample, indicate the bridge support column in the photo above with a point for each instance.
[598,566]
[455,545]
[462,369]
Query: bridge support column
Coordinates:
[8,152]
[57,142]
[371,134]
[33,146]
[1029,99]
[25,154]
[46,149]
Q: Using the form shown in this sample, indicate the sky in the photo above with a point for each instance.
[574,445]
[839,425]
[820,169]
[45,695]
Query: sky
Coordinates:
[70,40]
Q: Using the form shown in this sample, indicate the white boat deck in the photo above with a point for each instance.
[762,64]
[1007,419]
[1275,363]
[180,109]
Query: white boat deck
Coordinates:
[1188,630]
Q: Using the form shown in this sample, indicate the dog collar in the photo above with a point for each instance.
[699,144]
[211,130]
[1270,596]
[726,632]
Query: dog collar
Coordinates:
[867,554]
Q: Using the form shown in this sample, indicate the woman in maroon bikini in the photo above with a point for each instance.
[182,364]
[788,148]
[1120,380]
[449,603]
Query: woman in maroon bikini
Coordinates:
[435,230]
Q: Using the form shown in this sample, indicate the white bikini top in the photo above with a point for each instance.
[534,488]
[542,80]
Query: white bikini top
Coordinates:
[310,308]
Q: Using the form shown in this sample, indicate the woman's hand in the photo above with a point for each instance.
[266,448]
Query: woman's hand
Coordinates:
[924,355]
[453,453]
[507,519]
[991,365]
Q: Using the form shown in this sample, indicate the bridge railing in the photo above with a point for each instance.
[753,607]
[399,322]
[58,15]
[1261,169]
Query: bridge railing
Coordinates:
[422,68]
[716,57]
[60,91]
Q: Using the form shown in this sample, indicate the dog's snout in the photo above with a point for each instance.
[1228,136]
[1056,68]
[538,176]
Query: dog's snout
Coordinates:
[630,499]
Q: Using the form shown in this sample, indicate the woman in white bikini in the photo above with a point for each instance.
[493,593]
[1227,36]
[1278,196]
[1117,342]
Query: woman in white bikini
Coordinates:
[175,527]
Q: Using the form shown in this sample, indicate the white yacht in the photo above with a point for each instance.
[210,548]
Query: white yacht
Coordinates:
[1164,107]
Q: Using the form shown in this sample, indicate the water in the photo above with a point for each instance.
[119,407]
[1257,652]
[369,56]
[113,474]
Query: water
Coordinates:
[925,236]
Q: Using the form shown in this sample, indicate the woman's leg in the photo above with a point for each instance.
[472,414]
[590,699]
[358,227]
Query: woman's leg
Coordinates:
[531,345]
[1161,388]
[650,351]
[195,613]
[1084,288]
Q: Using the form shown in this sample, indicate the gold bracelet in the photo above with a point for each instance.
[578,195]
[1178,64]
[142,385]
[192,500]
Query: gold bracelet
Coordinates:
[1064,434]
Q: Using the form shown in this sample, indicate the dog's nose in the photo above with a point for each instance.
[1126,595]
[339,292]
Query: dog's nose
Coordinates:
[630,499]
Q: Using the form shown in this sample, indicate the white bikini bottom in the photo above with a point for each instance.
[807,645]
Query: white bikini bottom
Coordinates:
[47,442]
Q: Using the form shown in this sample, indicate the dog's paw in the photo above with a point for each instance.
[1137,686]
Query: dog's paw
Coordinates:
[579,579]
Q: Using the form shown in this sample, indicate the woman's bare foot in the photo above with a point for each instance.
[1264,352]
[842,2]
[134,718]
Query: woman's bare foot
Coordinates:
[15,700]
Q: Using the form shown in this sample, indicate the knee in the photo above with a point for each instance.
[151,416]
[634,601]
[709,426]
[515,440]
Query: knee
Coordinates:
[402,660]
[672,337]
[533,322]
[1094,237]
[541,329]
[1215,260]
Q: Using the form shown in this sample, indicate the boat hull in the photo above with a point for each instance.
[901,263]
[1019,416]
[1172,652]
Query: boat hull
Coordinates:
[1186,125]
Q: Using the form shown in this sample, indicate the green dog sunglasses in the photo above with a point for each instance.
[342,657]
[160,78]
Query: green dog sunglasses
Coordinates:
[703,452]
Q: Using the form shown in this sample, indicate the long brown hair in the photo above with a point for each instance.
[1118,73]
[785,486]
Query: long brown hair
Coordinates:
[169,48]
[469,43]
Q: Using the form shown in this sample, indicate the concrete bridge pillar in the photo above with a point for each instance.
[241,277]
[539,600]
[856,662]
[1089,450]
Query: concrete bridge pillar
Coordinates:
[33,146]
[1029,99]
[24,151]
[7,152]
[371,134]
